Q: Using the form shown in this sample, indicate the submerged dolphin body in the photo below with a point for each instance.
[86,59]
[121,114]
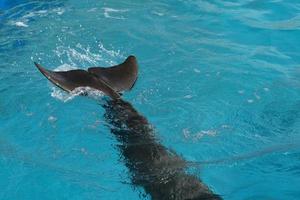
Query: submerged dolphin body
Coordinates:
[152,166]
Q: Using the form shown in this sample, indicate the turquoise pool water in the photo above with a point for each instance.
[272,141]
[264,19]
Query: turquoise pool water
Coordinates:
[218,79]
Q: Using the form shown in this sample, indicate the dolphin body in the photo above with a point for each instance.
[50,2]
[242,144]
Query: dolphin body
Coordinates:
[161,172]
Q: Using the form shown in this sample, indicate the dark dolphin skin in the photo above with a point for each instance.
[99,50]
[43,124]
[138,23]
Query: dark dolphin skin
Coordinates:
[161,172]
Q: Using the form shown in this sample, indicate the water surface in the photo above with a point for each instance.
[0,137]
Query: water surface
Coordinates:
[219,80]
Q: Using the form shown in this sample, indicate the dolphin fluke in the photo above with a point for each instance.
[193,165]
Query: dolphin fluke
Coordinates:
[109,80]
[120,77]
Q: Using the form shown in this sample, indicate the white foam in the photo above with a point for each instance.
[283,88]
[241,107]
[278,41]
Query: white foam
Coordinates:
[250,100]
[59,11]
[42,13]
[79,54]
[35,13]
[225,126]
[186,133]
[158,13]
[65,97]
[64,67]
[208,132]
[241,91]
[108,11]
[197,70]
[82,55]
[188,96]
[52,119]
[197,136]
[92,10]
[60,95]
[21,24]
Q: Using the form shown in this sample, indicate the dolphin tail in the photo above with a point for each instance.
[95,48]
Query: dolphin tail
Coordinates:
[120,77]
[110,80]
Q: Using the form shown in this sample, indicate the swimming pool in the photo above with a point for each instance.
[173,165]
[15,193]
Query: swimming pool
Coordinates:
[219,81]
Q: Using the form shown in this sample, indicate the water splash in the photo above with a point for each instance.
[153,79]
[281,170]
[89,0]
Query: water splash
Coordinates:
[80,91]
[84,55]
[65,67]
